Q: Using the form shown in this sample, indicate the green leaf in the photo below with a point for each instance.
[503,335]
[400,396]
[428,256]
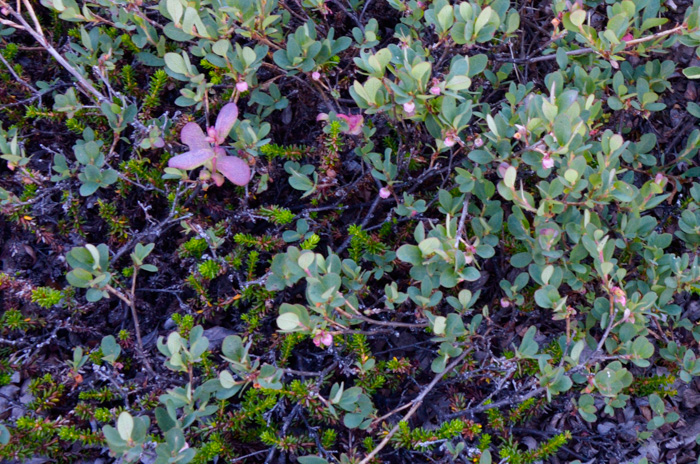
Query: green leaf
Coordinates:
[125,425]
[643,348]
[88,188]
[94,294]
[429,245]
[692,72]
[438,365]
[571,176]
[477,64]
[79,278]
[509,177]
[562,58]
[520,260]
[112,436]
[353,420]
[439,325]
[577,17]
[176,63]
[480,156]
[226,380]
[410,254]
[4,435]
[288,322]
[421,72]
[175,10]
[694,109]
[306,259]
[311,460]
[528,347]
[483,19]
[471,274]
[191,20]
[542,298]
[652,22]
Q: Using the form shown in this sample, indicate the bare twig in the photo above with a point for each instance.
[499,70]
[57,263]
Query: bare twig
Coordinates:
[38,35]
[131,303]
[586,50]
[583,51]
[463,217]
[364,318]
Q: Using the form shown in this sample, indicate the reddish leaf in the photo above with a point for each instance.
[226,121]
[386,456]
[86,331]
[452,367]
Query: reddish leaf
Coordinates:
[225,121]
[235,169]
[354,123]
[191,159]
[193,136]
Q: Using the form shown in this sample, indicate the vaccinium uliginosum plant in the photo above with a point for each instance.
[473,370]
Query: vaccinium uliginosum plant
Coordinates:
[206,150]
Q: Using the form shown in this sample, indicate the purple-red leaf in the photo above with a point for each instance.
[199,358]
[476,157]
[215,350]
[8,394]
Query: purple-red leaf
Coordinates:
[218,179]
[354,123]
[225,121]
[193,136]
[235,169]
[191,159]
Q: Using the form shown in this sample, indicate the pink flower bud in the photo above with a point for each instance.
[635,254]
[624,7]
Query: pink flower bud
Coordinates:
[315,75]
[478,142]
[435,90]
[323,338]
[211,134]
[626,315]
[327,339]
[660,180]
[242,86]
[384,192]
[505,302]
[627,37]
[547,162]
[619,295]
[469,254]
[409,107]
[449,141]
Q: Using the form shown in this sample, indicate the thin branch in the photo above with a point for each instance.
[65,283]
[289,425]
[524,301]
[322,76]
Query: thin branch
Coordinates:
[38,35]
[364,318]
[583,51]
[137,328]
[463,217]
